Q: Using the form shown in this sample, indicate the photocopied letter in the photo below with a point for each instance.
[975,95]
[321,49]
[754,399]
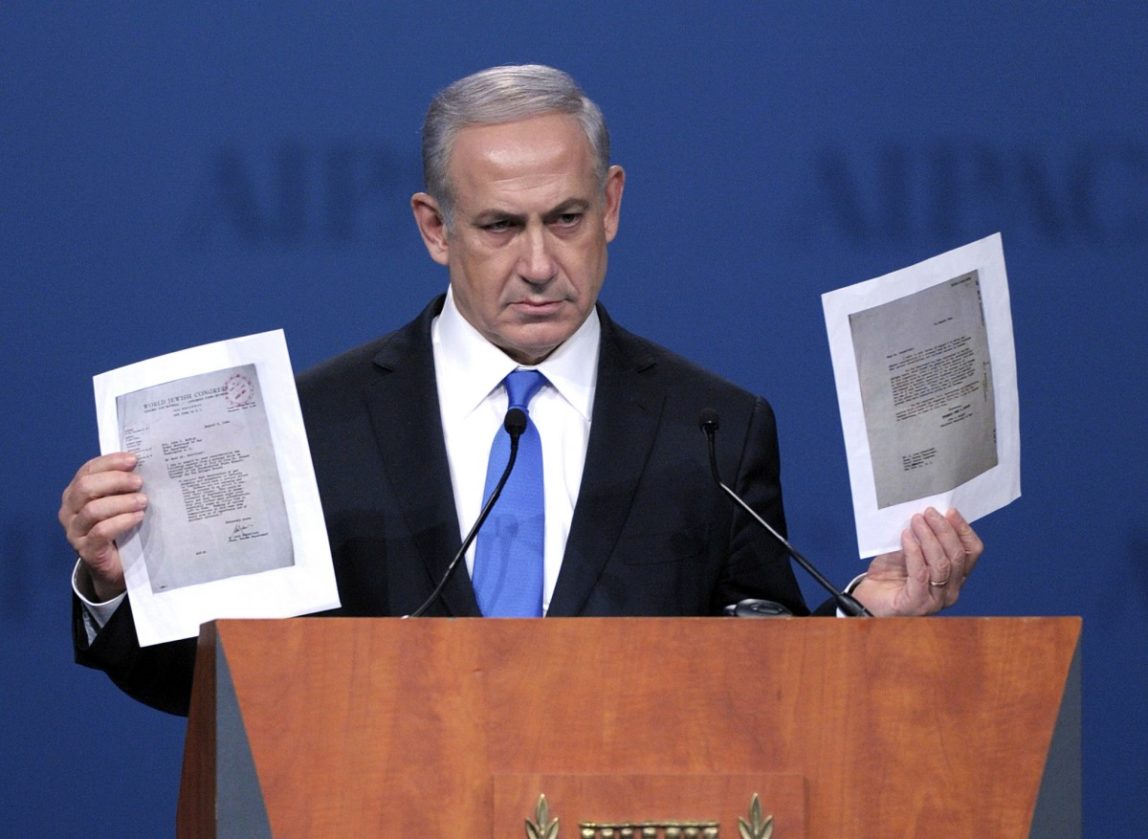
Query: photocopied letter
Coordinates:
[234,527]
[926,390]
[206,456]
[926,383]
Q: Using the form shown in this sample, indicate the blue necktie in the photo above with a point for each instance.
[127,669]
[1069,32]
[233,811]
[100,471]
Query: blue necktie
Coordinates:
[508,558]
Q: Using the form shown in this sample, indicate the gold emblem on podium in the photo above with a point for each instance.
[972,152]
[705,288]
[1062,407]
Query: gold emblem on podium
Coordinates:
[755,825]
[542,827]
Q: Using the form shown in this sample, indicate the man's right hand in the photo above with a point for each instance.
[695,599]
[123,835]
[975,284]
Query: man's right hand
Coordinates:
[102,503]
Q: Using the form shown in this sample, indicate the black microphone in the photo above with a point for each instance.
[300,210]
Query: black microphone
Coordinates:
[515,424]
[709,422]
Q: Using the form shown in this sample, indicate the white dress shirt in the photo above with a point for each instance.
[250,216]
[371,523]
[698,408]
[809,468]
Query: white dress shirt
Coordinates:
[469,370]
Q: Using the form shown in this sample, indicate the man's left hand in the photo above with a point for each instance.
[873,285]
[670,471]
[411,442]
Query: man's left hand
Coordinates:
[937,555]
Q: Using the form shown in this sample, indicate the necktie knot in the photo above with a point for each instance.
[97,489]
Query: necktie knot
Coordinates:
[521,385]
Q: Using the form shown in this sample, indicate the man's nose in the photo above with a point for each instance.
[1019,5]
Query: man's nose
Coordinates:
[536,263]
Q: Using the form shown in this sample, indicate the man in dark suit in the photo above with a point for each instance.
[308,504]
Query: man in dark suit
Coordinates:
[521,204]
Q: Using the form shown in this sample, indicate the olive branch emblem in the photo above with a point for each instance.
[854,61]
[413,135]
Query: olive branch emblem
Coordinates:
[757,827]
[542,827]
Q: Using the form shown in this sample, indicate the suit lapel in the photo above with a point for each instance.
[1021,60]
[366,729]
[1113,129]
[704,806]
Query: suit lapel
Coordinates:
[404,410]
[627,410]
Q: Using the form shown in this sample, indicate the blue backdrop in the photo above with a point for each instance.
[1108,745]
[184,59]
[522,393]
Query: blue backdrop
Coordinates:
[175,174]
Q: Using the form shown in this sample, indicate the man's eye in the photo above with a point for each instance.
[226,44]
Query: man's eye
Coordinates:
[568,219]
[498,226]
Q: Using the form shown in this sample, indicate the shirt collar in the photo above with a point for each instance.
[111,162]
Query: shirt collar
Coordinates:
[470,368]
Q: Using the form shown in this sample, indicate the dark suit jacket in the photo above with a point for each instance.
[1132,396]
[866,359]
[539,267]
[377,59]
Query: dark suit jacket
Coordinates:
[651,533]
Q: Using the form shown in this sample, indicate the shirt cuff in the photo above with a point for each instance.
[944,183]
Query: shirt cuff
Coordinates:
[95,614]
[849,589]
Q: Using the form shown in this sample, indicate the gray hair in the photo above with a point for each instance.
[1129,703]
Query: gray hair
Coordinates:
[498,95]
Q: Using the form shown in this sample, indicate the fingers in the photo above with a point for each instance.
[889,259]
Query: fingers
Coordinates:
[97,477]
[101,504]
[971,544]
[919,597]
[939,544]
[937,554]
[949,548]
[103,488]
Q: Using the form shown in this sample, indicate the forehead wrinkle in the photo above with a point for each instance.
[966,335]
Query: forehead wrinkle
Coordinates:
[542,195]
[499,163]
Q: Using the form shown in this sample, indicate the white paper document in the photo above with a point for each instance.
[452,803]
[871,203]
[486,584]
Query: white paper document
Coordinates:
[926,383]
[234,527]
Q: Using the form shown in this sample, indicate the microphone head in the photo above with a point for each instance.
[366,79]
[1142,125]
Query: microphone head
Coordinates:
[515,422]
[708,420]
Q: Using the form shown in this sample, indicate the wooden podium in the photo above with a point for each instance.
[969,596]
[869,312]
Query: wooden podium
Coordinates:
[457,728]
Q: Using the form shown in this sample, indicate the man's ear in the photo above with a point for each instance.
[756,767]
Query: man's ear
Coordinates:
[432,226]
[615,182]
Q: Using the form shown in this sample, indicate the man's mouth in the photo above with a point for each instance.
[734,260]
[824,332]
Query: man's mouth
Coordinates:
[536,307]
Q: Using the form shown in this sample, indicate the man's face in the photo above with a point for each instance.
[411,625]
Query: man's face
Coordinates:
[526,248]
